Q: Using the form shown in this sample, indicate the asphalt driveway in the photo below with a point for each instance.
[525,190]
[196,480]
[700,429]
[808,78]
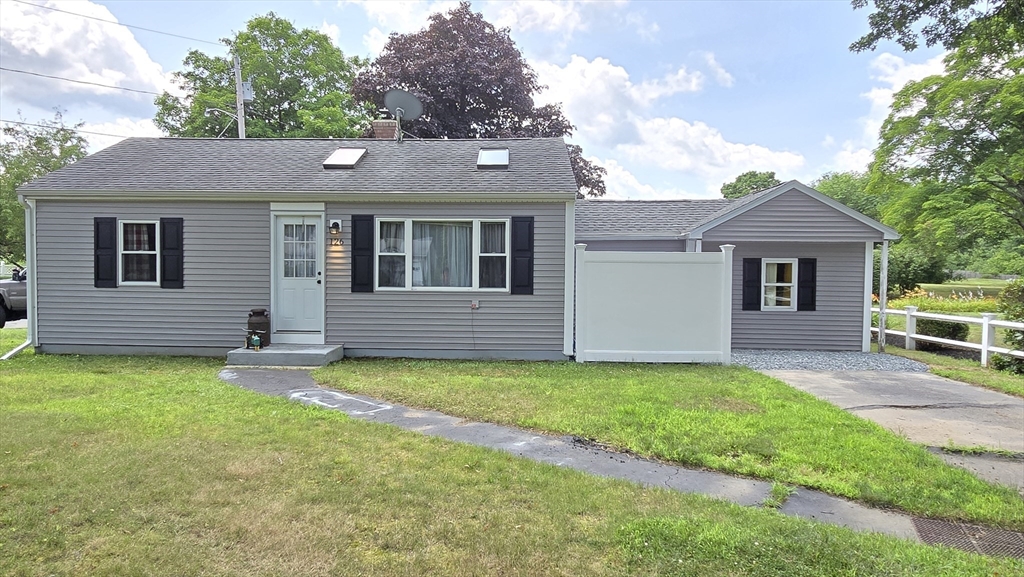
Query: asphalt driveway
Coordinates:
[930,410]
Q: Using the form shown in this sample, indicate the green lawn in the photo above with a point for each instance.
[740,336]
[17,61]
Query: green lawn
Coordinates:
[10,338]
[116,466]
[729,419]
[990,286]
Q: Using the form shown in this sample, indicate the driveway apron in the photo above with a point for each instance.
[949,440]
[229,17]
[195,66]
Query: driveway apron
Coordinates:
[930,410]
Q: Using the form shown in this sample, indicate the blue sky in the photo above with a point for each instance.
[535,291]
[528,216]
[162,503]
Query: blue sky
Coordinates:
[673,98]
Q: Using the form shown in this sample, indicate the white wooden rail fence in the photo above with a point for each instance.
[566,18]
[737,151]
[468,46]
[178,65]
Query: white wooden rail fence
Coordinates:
[988,323]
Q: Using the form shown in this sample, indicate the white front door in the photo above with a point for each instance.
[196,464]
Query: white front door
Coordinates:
[298,313]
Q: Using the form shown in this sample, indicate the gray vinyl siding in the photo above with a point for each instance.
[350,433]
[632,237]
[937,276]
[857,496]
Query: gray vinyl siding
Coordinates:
[791,217]
[443,321]
[636,245]
[226,257]
[838,322]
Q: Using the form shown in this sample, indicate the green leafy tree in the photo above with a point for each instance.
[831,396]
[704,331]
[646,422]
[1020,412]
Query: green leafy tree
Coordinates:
[748,182]
[851,189]
[26,153]
[954,143]
[1011,305]
[474,83]
[945,22]
[301,84]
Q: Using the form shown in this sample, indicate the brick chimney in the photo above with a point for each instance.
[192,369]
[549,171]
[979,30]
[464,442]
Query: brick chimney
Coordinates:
[385,129]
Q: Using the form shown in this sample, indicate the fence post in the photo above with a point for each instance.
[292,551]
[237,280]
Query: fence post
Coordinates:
[988,336]
[727,303]
[581,316]
[909,342]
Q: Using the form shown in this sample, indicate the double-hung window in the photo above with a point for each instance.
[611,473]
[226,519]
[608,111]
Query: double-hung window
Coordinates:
[442,254]
[138,252]
[778,284]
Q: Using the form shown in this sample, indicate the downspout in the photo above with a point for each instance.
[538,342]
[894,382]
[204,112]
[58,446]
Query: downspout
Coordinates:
[30,264]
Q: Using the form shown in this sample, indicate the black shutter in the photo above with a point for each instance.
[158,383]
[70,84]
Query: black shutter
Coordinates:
[362,253]
[104,252]
[751,284]
[807,284]
[522,255]
[172,254]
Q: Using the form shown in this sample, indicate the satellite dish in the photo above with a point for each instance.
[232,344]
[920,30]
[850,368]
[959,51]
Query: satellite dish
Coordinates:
[402,105]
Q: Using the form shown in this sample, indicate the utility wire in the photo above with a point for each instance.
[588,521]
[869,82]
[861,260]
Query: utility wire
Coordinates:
[65,128]
[79,81]
[118,23]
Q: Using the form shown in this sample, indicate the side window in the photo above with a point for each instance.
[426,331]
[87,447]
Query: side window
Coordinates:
[493,255]
[138,252]
[778,284]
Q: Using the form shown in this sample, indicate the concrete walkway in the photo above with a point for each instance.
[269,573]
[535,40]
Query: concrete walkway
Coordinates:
[930,410]
[565,451]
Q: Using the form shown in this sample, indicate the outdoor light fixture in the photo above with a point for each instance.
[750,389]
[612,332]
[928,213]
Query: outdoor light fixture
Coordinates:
[335,231]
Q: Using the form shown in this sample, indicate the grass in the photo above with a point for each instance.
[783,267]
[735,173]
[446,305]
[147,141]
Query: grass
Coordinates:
[729,419]
[11,338]
[965,371]
[990,286]
[144,466]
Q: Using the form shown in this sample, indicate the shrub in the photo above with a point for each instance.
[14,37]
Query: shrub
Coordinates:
[943,329]
[908,267]
[1011,305]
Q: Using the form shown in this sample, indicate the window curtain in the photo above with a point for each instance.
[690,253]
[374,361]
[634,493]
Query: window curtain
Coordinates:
[139,267]
[442,254]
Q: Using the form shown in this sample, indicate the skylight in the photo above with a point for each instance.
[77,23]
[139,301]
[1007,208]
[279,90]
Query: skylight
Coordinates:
[344,158]
[494,158]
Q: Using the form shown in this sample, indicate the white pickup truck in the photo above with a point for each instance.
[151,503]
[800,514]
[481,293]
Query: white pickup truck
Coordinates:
[13,297]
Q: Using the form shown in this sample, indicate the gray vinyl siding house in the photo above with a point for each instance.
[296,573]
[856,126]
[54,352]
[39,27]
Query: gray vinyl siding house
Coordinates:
[790,223]
[243,208]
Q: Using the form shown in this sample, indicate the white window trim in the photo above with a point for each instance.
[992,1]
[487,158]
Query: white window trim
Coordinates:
[793,290]
[475,275]
[121,252]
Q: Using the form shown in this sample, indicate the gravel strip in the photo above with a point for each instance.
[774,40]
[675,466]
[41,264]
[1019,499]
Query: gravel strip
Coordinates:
[770,360]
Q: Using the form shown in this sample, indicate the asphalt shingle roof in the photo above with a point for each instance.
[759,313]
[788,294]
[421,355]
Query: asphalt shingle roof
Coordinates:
[646,218]
[537,165]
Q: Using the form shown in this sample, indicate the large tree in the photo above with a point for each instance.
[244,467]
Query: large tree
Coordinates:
[957,138]
[28,152]
[945,22]
[851,189]
[748,182]
[301,85]
[473,82]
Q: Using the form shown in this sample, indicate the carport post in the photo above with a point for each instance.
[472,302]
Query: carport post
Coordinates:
[910,329]
[883,290]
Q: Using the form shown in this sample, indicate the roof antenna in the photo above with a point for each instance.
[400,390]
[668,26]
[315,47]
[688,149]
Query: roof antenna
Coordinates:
[402,104]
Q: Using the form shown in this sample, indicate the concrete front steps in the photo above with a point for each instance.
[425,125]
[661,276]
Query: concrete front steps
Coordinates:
[294,356]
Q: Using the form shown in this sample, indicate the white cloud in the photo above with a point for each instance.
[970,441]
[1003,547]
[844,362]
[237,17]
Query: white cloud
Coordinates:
[69,46]
[647,31]
[331,31]
[621,184]
[116,131]
[722,76]
[893,73]
[701,150]
[548,16]
[402,16]
[600,98]
[828,141]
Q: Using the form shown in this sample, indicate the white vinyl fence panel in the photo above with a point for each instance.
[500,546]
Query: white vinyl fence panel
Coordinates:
[671,307]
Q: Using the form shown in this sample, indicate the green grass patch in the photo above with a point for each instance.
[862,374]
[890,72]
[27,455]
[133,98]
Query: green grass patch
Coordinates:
[730,419]
[965,371]
[11,338]
[144,466]
[990,287]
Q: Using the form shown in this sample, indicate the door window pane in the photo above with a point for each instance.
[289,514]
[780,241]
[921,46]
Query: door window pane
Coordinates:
[299,253]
